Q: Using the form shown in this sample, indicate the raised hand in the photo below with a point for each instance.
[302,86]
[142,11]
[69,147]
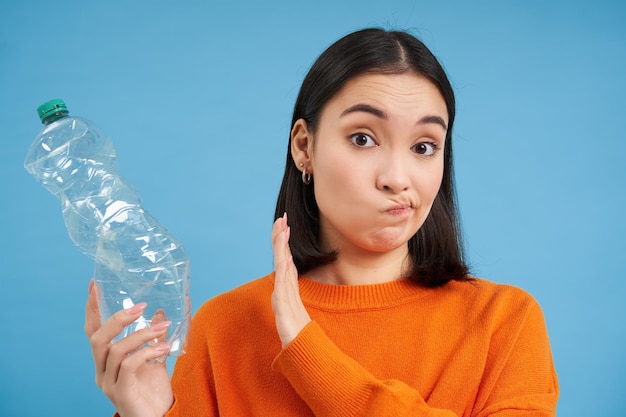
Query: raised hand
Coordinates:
[133,376]
[291,316]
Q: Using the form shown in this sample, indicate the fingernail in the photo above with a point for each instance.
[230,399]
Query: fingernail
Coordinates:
[136,308]
[284,222]
[162,347]
[161,326]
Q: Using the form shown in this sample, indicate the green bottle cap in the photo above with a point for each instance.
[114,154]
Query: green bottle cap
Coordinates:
[52,109]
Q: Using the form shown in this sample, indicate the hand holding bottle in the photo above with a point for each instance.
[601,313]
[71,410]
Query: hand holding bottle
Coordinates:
[132,371]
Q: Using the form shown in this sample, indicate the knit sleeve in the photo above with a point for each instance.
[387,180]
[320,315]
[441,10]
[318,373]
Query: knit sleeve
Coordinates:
[333,384]
[520,379]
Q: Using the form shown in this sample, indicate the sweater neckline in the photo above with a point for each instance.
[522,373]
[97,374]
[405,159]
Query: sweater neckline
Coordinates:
[359,297]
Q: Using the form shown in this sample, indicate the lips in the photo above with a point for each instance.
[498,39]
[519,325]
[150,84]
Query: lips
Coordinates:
[399,210]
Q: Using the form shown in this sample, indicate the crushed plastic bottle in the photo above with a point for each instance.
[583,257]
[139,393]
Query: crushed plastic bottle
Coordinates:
[136,259]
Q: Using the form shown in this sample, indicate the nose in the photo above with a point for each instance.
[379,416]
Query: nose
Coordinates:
[393,175]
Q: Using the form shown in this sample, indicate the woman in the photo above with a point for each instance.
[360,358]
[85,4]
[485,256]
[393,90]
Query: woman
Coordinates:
[370,310]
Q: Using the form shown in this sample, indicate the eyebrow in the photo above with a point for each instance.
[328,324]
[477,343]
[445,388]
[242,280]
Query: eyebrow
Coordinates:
[366,108]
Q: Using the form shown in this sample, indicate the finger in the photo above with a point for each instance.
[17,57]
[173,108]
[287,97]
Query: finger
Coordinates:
[287,248]
[287,230]
[283,258]
[147,356]
[92,314]
[279,242]
[141,357]
[119,352]
[101,339]
[136,340]
[159,317]
[276,230]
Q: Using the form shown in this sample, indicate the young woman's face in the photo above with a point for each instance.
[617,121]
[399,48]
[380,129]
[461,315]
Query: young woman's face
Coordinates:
[377,161]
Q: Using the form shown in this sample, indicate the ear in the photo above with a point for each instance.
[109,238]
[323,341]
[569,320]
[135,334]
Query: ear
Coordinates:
[302,145]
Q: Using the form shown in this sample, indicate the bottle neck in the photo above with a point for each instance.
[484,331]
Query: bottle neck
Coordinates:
[54,117]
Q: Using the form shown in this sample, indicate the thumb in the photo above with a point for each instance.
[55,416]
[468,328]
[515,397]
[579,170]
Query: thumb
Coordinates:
[92,313]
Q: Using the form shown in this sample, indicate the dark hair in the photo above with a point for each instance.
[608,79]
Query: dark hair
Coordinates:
[436,249]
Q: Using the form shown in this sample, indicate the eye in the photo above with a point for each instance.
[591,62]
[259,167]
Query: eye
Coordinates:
[362,140]
[425,148]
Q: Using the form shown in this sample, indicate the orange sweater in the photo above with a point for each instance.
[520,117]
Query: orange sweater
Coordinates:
[392,349]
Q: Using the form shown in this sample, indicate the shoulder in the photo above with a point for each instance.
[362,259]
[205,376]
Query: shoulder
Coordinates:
[251,299]
[493,301]
[485,290]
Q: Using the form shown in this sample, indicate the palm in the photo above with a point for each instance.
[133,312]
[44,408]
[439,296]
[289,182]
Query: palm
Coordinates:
[290,314]
[151,390]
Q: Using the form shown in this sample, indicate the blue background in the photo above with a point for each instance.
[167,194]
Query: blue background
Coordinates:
[197,97]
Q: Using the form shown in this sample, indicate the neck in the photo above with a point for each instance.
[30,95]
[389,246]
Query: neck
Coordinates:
[361,269]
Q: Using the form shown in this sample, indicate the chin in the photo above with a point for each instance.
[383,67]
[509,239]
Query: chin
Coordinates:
[387,244]
[391,238]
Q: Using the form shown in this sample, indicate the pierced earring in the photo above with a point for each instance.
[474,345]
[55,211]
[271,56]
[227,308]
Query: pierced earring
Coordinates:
[306,177]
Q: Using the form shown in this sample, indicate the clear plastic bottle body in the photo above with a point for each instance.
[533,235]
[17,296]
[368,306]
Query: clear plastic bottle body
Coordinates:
[136,259]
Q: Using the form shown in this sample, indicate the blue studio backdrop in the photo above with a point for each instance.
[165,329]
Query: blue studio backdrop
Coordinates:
[197,98]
